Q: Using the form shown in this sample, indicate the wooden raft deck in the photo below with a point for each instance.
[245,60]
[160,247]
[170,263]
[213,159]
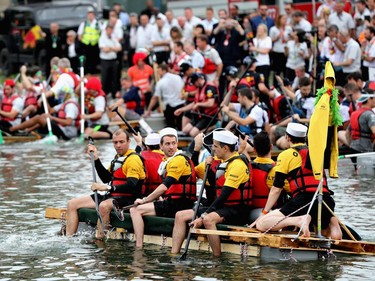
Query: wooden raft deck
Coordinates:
[235,239]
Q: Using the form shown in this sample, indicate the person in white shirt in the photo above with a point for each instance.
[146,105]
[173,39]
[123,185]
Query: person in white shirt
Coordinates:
[300,72]
[161,41]
[132,37]
[352,55]
[299,22]
[196,58]
[368,54]
[167,92]
[209,21]
[109,47]
[71,50]
[185,27]
[190,18]
[261,47]
[171,20]
[114,21]
[144,33]
[362,16]
[327,4]
[342,19]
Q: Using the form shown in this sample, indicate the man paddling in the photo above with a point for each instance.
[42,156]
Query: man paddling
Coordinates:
[294,165]
[121,182]
[178,187]
[232,194]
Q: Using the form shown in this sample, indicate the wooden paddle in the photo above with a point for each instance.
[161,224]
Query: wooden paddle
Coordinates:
[188,237]
[91,141]
[81,70]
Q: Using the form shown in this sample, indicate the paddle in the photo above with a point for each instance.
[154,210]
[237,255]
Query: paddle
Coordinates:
[130,127]
[188,237]
[91,141]
[51,138]
[363,154]
[81,70]
[281,86]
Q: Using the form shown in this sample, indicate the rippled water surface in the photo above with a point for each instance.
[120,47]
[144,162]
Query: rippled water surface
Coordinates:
[36,176]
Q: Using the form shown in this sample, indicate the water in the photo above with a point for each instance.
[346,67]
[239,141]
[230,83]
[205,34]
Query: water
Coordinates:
[33,177]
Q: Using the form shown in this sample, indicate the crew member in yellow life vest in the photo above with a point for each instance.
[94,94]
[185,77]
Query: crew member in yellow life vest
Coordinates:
[294,165]
[88,36]
[122,182]
[233,195]
[178,187]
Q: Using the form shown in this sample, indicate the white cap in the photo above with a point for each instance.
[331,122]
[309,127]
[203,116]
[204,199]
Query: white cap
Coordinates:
[168,132]
[296,130]
[152,139]
[225,137]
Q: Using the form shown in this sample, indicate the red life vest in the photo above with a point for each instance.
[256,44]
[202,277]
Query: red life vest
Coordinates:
[260,188]
[152,163]
[209,65]
[74,76]
[276,107]
[118,176]
[176,61]
[304,180]
[190,88]
[241,195]
[62,114]
[354,124]
[7,105]
[186,189]
[90,102]
[30,99]
[201,96]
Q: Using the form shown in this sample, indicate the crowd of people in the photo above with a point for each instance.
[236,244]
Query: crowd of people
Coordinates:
[252,74]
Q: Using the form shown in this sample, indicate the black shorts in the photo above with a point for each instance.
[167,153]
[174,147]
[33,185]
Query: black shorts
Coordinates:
[302,199]
[169,207]
[235,215]
[121,201]
[201,123]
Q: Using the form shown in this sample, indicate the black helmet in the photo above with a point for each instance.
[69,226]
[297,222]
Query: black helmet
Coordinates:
[184,66]
[195,76]
[231,71]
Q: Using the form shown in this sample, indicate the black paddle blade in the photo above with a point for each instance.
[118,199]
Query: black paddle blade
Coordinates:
[352,231]
[183,256]
[91,140]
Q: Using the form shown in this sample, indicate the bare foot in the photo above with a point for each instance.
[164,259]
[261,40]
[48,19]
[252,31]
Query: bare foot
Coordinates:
[335,229]
[306,222]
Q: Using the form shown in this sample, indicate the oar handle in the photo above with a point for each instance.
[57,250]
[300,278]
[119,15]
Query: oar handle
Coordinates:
[243,136]
[129,207]
[126,123]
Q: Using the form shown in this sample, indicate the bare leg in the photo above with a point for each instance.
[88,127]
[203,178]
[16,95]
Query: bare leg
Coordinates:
[185,121]
[28,111]
[36,120]
[136,215]
[72,212]
[179,229]
[272,219]
[186,130]
[105,209]
[210,222]
[194,132]
[96,135]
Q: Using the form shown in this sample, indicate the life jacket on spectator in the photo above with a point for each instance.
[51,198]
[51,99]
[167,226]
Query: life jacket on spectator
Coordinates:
[90,102]
[354,124]
[118,176]
[259,183]
[241,195]
[7,105]
[304,180]
[62,114]
[185,189]
[201,96]
[152,162]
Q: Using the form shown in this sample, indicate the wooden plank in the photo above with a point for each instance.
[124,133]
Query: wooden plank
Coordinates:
[133,123]
[11,139]
[55,213]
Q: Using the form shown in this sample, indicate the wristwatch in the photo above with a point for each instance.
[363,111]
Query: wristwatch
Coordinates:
[109,187]
[203,215]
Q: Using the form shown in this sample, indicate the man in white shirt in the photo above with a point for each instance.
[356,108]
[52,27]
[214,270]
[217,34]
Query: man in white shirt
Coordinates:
[209,21]
[161,41]
[299,22]
[352,55]
[109,47]
[132,37]
[342,19]
[144,33]
[190,18]
[171,20]
[167,92]
[368,54]
[185,27]
[196,58]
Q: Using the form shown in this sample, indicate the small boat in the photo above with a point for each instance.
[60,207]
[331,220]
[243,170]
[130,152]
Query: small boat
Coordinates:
[238,240]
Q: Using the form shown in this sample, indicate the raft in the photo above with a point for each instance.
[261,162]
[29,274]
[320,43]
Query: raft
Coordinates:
[238,240]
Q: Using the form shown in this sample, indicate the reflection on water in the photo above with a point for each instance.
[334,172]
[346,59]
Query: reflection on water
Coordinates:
[33,177]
